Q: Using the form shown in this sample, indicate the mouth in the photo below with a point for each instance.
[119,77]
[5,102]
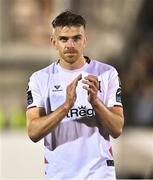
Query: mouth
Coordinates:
[70,52]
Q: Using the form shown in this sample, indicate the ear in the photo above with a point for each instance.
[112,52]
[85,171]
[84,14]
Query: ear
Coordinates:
[85,41]
[53,41]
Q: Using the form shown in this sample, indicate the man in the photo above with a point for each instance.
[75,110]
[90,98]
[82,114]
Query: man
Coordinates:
[75,104]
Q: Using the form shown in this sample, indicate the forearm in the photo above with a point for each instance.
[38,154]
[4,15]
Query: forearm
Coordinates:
[110,119]
[40,126]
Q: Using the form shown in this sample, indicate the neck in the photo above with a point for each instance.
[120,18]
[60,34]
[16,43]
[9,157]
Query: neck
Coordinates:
[73,65]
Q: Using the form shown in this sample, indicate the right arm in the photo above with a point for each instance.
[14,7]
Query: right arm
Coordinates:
[39,124]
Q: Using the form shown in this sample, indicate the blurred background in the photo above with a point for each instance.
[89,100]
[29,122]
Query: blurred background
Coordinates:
[120,33]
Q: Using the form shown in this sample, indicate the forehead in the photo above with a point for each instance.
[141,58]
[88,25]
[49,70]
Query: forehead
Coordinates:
[69,30]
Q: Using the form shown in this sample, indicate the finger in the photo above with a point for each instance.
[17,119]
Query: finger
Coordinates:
[90,84]
[74,83]
[90,90]
[79,77]
[93,79]
[76,80]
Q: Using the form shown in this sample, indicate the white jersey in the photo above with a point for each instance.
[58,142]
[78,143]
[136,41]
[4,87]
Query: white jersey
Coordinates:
[79,147]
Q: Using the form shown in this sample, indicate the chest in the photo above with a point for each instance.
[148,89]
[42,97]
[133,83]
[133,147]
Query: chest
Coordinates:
[56,95]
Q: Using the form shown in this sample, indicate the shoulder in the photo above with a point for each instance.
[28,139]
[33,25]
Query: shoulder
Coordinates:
[44,72]
[42,76]
[102,67]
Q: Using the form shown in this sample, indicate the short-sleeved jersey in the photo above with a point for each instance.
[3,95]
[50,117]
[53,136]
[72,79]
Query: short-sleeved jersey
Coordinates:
[79,147]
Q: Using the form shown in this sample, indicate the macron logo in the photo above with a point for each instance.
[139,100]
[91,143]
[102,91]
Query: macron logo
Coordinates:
[57,88]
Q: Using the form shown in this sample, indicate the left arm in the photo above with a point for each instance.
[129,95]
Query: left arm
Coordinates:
[111,118]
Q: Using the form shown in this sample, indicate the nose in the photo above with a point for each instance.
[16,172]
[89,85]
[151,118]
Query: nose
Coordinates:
[70,43]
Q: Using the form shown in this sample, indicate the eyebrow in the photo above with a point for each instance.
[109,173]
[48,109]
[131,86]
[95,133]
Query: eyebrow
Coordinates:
[73,37]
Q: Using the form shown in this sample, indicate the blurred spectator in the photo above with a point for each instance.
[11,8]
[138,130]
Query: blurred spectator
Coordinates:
[138,87]
[30,19]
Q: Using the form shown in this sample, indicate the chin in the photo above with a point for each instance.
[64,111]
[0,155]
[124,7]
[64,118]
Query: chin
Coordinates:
[70,59]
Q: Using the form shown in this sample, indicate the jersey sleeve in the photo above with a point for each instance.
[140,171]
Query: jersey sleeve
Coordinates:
[114,90]
[34,97]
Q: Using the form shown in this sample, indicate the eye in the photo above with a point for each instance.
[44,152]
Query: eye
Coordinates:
[76,38]
[63,39]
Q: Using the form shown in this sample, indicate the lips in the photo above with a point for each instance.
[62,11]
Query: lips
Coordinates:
[70,52]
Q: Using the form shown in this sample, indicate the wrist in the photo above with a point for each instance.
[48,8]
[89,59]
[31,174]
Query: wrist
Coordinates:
[94,102]
[67,106]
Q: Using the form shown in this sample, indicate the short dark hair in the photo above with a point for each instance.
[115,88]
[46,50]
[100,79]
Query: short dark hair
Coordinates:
[68,18]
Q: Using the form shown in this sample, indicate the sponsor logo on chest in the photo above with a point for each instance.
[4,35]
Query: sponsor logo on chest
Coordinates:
[80,112]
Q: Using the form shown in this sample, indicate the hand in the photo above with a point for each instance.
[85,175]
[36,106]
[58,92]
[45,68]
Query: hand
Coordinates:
[92,86]
[71,91]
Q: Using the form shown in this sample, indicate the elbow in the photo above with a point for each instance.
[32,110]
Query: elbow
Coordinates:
[118,130]
[117,133]
[33,132]
[34,138]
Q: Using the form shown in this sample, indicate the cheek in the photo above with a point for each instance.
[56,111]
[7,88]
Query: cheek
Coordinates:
[60,47]
[61,51]
[81,46]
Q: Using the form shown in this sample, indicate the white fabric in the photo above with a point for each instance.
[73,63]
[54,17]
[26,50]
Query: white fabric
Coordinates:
[79,146]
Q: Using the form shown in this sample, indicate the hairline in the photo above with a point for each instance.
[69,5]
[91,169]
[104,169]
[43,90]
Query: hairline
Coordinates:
[69,26]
